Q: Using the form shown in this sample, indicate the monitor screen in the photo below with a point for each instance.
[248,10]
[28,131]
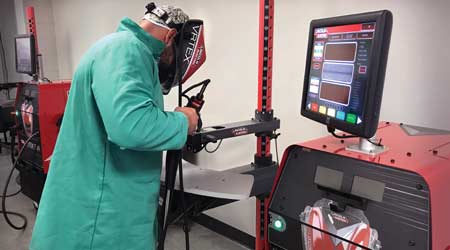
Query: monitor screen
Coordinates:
[25,54]
[338,73]
[343,81]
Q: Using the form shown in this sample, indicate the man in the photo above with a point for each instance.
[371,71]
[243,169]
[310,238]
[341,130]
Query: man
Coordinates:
[103,184]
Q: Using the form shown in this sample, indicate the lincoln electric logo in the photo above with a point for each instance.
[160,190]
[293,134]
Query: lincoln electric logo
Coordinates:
[199,55]
[191,45]
[239,131]
[339,218]
[321,30]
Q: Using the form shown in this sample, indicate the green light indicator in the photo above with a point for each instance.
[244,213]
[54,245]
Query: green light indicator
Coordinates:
[278,224]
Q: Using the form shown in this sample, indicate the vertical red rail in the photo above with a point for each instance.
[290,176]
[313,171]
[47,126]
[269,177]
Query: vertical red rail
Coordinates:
[266,17]
[266,10]
[32,26]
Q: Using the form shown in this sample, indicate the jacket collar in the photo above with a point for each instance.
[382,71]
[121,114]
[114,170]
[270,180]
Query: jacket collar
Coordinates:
[155,45]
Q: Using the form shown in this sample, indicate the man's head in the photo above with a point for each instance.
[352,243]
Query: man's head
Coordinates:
[163,23]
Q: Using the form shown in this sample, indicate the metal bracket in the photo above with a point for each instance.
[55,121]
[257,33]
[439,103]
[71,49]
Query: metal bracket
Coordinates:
[367,146]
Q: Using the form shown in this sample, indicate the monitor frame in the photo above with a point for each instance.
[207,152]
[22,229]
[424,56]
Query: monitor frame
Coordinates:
[32,51]
[375,73]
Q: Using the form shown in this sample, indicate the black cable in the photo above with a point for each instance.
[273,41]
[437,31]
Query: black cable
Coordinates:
[332,131]
[5,67]
[5,190]
[13,194]
[202,83]
[12,133]
[214,150]
[276,150]
[343,136]
[375,143]
[191,88]
[187,97]
[13,142]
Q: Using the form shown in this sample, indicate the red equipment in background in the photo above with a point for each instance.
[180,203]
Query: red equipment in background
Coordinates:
[40,107]
[402,192]
[52,102]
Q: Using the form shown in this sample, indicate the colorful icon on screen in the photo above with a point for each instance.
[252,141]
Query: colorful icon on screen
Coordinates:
[359,121]
[318,51]
[314,89]
[340,115]
[351,118]
[314,85]
[323,110]
[315,81]
[362,69]
[331,112]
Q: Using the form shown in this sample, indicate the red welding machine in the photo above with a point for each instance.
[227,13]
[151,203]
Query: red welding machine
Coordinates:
[39,108]
[326,197]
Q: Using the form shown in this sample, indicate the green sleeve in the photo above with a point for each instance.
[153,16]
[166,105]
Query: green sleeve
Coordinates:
[124,86]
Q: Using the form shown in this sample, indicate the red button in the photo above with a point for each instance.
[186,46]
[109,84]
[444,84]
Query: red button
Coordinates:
[315,107]
[362,69]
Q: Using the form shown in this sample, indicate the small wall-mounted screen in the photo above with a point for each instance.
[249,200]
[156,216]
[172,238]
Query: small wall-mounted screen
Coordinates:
[25,55]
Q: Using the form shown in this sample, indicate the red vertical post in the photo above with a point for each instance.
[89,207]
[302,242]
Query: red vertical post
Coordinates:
[31,25]
[264,111]
[266,11]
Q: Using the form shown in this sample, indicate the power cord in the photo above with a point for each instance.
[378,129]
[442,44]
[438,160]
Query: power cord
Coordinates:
[13,194]
[276,149]
[13,143]
[5,67]
[332,131]
[378,144]
[202,83]
[5,190]
[214,150]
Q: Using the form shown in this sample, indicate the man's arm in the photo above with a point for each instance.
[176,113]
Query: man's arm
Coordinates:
[123,83]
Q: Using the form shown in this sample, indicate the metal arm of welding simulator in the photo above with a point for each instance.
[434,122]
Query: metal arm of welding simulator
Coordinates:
[212,134]
[262,125]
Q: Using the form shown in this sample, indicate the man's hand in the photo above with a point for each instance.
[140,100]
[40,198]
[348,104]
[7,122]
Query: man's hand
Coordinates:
[192,116]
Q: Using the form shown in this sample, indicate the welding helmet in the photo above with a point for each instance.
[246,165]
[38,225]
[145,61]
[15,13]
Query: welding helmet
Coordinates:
[188,49]
[341,230]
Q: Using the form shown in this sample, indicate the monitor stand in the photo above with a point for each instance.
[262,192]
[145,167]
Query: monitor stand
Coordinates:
[367,147]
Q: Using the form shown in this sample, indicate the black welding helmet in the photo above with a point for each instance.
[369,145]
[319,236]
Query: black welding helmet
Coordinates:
[188,49]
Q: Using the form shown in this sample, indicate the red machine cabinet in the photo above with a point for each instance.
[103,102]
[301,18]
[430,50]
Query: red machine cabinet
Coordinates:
[40,108]
[52,102]
[414,211]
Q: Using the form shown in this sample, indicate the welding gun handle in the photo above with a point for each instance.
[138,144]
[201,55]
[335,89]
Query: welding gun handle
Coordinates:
[199,123]
[195,103]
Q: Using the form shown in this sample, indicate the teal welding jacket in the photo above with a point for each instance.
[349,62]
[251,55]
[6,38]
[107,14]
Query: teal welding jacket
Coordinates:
[102,188]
